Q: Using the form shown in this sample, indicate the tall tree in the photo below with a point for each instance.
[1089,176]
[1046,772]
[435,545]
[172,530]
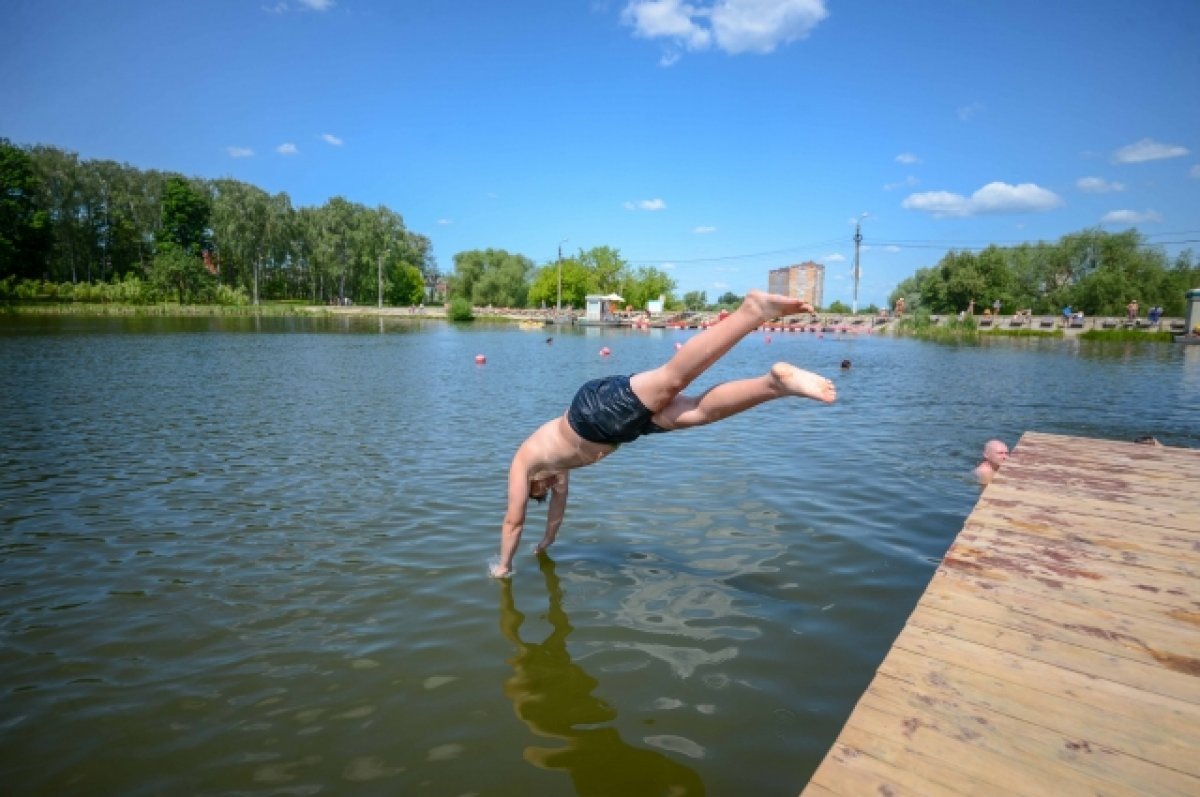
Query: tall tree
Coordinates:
[185,214]
[24,228]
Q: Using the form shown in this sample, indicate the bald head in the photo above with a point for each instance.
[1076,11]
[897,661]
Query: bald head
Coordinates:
[995,452]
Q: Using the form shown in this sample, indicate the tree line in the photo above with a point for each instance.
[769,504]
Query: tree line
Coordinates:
[1092,271]
[139,235]
[159,235]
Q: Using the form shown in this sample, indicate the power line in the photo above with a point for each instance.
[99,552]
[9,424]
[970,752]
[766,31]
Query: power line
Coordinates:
[967,244]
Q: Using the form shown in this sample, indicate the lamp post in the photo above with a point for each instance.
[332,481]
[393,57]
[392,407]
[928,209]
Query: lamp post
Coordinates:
[857,241]
[558,308]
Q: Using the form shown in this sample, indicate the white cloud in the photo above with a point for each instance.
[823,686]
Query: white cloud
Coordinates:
[721,286]
[704,230]
[965,112]
[834,258]
[240,152]
[667,266]
[1097,185]
[671,19]
[907,182]
[444,222]
[994,197]
[1195,172]
[1148,150]
[734,26]
[646,204]
[287,148]
[1131,217]
[317,5]
[907,158]
[330,138]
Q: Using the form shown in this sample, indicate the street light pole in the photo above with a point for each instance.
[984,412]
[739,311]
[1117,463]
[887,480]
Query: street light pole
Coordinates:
[558,309]
[857,241]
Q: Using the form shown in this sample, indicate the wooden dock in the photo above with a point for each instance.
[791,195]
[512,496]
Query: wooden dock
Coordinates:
[1057,648]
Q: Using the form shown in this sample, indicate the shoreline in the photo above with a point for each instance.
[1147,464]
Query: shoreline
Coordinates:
[1032,326]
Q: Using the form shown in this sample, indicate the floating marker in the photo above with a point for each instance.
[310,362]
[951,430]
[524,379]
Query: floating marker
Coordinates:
[604,352]
[480,359]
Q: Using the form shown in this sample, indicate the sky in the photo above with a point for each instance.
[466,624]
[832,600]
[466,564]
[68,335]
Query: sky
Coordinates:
[712,139]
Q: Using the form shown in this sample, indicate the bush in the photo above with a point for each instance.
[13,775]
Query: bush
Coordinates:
[461,310]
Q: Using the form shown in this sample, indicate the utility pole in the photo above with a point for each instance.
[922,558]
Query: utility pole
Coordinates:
[379,273]
[558,308]
[857,274]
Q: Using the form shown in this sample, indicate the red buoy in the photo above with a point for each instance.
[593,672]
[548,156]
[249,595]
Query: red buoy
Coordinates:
[480,359]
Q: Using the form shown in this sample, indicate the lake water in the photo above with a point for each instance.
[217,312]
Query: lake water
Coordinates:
[248,556]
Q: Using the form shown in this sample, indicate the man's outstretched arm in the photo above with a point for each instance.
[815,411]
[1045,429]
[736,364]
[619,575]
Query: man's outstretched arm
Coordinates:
[514,520]
[558,508]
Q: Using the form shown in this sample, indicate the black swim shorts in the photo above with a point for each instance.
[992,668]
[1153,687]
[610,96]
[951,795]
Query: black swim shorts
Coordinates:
[607,411]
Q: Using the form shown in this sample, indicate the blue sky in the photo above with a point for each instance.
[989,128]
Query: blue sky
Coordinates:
[714,139]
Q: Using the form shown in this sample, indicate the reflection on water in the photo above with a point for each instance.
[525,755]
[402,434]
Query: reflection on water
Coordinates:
[553,696]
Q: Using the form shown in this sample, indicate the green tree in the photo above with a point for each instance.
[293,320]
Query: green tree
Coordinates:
[695,300]
[185,215]
[838,306]
[544,289]
[176,270]
[491,277]
[24,228]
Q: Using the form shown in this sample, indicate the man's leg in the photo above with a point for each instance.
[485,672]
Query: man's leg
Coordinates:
[657,388]
[730,398]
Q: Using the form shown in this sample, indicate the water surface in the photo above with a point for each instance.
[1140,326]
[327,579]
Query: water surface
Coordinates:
[248,556]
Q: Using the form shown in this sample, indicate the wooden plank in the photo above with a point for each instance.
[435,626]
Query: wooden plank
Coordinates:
[1088,540]
[1012,561]
[1083,755]
[1159,677]
[1101,694]
[853,768]
[1122,609]
[984,693]
[1113,534]
[1010,494]
[1119,452]
[1128,489]
[1057,648]
[1139,639]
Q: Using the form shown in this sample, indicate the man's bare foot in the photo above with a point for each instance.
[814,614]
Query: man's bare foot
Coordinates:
[795,381]
[541,547]
[773,305]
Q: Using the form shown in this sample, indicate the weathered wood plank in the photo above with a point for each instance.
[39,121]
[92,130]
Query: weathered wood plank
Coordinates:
[1084,755]
[1171,716]
[1101,632]
[985,693]
[1139,520]
[1057,648]
[1143,604]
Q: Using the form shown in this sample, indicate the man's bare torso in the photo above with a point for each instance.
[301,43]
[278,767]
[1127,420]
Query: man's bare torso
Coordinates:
[554,448]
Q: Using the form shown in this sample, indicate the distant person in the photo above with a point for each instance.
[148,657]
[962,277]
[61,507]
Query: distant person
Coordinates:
[613,410]
[971,307]
[1147,440]
[996,307]
[900,306]
[995,452]
[845,365]
[1131,309]
[1154,314]
[1067,315]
